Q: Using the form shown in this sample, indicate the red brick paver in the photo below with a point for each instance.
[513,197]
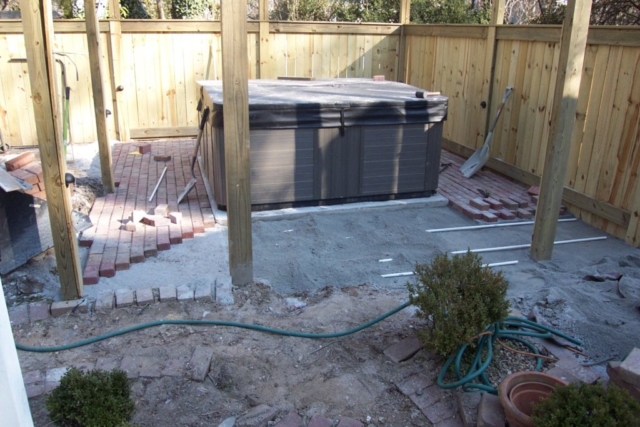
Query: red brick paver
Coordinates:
[113,246]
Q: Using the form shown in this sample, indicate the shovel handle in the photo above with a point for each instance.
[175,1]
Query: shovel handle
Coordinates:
[205,116]
[507,93]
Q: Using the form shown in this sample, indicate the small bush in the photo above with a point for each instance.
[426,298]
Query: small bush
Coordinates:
[587,405]
[459,298]
[93,399]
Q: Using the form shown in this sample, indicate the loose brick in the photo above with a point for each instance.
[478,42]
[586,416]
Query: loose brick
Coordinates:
[349,422]
[523,203]
[379,78]
[184,293]
[107,363]
[490,412]
[291,420]
[137,216]
[509,203]
[162,158]
[506,214]
[129,226]
[404,350]
[613,370]
[122,259]
[27,177]
[164,242]
[630,368]
[258,416]
[39,310]
[534,191]
[124,298]
[167,293]
[19,161]
[495,204]
[59,308]
[104,302]
[108,263]
[479,204]
[208,219]
[161,210]
[203,292]
[36,169]
[19,315]
[175,217]
[144,148]
[524,214]
[199,364]
[175,234]
[468,408]
[144,296]
[466,210]
[489,217]
[156,220]
[319,421]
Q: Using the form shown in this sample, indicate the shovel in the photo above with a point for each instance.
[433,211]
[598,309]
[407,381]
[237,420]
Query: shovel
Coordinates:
[194,180]
[480,157]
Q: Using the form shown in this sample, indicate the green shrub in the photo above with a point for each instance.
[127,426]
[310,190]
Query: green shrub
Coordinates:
[587,405]
[458,298]
[93,399]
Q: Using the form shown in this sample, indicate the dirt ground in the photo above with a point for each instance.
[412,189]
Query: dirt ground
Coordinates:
[330,262]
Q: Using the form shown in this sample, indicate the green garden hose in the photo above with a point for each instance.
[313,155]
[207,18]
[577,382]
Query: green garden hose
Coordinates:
[259,328]
[510,328]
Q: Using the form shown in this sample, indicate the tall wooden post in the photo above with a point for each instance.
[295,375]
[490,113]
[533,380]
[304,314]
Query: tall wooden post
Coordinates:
[497,18]
[114,9]
[235,94]
[264,40]
[405,18]
[93,43]
[38,39]
[563,114]
[633,230]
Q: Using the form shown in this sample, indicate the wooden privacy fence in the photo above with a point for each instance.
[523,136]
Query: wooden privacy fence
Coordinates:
[159,63]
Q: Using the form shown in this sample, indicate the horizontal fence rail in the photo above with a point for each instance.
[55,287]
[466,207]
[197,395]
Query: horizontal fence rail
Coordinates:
[157,63]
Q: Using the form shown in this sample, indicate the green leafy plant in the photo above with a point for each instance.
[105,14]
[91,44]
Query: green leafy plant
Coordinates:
[587,405]
[93,399]
[458,298]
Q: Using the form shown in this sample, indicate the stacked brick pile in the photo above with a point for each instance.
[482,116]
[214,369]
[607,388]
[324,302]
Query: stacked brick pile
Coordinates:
[26,168]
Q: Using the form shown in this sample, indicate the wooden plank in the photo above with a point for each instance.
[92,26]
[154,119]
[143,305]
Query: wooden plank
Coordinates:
[614,36]
[333,28]
[38,35]
[572,50]
[164,132]
[544,61]
[326,60]
[590,204]
[264,46]
[174,26]
[538,33]
[99,98]
[451,30]
[235,90]
[117,88]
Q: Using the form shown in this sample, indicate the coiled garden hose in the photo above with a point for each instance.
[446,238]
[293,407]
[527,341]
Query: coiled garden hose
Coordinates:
[510,328]
[253,327]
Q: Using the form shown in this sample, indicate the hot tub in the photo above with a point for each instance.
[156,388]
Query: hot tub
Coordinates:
[330,141]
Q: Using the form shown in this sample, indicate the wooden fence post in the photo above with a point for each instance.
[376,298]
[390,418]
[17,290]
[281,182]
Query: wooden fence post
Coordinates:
[563,115]
[93,43]
[405,18]
[264,41]
[235,96]
[115,73]
[38,39]
[114,9]
[497,18]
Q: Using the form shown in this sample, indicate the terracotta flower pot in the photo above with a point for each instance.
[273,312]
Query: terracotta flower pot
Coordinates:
[520,391]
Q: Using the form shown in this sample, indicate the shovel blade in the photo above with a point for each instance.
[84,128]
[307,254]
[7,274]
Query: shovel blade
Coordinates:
[475,162]
[187,189]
